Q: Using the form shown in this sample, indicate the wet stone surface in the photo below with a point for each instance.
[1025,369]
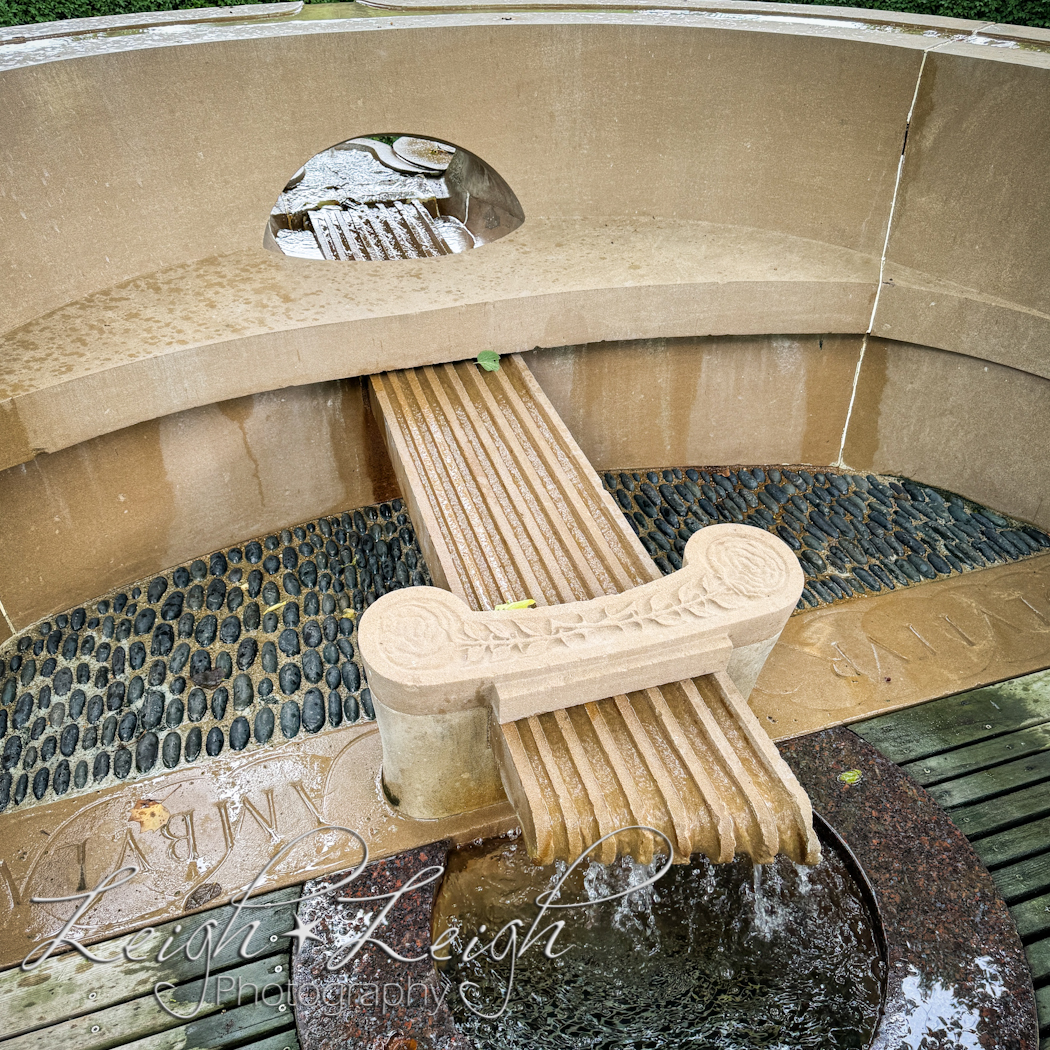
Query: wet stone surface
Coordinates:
[853,534]
[251,645]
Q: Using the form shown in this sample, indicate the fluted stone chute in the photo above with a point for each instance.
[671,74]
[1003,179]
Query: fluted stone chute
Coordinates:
[507,508]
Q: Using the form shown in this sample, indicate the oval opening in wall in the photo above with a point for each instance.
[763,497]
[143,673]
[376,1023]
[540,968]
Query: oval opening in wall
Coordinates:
[386,197]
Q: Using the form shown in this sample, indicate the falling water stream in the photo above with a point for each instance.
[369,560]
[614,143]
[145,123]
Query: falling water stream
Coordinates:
[734,956]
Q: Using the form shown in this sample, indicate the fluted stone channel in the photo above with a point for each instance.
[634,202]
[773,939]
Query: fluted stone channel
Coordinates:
[252,644]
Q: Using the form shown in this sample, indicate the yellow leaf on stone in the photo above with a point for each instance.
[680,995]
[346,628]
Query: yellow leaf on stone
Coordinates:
[150,814]
[525,603]
[279,605]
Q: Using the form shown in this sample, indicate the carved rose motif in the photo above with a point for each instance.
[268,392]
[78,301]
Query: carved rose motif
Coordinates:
[745,571]
[423,635]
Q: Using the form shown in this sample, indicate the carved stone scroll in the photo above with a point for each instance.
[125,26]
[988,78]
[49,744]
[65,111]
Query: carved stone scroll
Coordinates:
[426,652]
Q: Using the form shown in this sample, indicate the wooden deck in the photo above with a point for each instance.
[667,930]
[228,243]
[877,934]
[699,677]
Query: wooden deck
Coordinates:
[69,1003]
[985,756]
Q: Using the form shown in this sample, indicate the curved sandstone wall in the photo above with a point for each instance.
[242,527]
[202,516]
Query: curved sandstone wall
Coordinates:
[697,181]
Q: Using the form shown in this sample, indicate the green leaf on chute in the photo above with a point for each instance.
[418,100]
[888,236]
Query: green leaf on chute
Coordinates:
[489,360]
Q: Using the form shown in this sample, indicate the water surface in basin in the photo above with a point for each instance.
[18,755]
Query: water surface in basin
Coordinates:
[734,956]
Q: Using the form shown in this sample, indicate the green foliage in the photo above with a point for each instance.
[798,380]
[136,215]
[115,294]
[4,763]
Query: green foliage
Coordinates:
[1018,12]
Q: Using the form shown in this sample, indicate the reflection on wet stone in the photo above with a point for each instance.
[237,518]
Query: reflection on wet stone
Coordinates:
[200,658]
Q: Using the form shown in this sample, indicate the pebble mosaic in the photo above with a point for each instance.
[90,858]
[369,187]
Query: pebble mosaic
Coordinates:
[255,643]
[853,534]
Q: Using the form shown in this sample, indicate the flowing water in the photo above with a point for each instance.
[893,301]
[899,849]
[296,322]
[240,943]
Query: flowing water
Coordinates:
[733,956]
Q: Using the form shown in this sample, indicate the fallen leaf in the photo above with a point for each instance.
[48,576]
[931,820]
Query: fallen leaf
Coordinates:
[149,814]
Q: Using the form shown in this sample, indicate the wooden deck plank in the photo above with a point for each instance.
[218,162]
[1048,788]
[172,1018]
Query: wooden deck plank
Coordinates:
[975,757]
[120,1024]
[218,1031]
[1039,959]
[1023,879]
[59,989]
[1007,847]
[989,783]
[982,818]
[281,1041]
[1032,917]
[964,718]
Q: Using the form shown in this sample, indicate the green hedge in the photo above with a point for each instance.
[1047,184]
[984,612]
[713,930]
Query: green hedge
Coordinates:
[1019,12]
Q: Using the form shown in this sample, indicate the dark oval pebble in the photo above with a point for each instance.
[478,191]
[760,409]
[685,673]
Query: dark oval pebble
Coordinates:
[234,599]
[264,723]
[269,657]
[179,658]
[240,733]
[219,700]
[28,672]
[350,709]
[69,740]
[198,570]
[156,590]
[251,616]
[351,676]
[308,574]
[152,710]
[128,724]
[101,766]
[272,564]
[193,744]
[144,620]
[39,725]
[23,711]
[200,664]
[290,719]
[290,615]
[108,730]
[157,673]
[289,558]
[216,594]
[10,691]
[195,597]
[63,681]
[12,752]
[243,692]
[265,687]
[312,635]
[230,630]
[313,711]
[89,739]
[172,607]
[146,752]
[136,655]
[246,653]
[172,750]
[174,713]
[938,563]
[40,782]
[180,577]
[313,668]
[333,679]
[289,642]
[253,552]
[921,566]
[214,744]
[289,679]
[80,775]
[122,762]
[186,623]
[60,783]
[366,703]
[206,630]
[196,705]
[335,708]
[311,606]
[217,565]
